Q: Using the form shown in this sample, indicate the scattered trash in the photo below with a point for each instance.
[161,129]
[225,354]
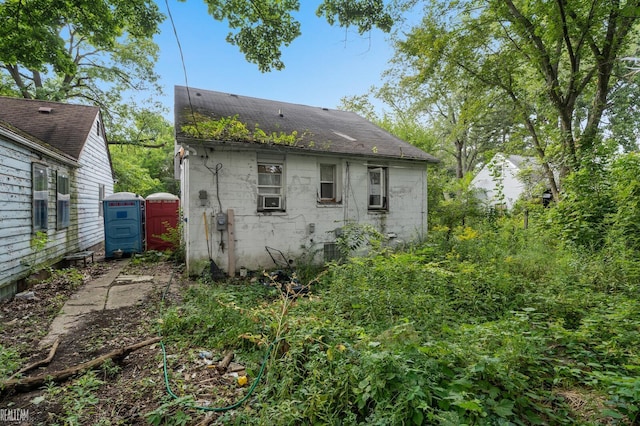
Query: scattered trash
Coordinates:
[205,355]
[286,280]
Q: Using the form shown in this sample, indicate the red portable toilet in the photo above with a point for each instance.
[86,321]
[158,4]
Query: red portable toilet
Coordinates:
[162,211]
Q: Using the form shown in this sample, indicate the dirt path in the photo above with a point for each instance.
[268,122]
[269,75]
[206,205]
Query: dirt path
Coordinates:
[107,317]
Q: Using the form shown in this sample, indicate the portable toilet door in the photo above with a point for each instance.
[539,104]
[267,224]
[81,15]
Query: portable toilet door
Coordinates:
[162,214]
[123,224]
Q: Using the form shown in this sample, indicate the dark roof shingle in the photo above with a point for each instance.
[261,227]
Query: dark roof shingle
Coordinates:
[325,130]
[62,126]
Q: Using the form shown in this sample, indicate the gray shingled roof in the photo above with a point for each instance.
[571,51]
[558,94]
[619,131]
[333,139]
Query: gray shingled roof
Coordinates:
[520,161]
[65,127]
[325,130]
[15,131]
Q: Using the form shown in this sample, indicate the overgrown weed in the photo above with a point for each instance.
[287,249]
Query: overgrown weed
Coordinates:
[489,323]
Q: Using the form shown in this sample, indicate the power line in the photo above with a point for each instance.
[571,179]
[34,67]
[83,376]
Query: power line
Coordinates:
[184,67]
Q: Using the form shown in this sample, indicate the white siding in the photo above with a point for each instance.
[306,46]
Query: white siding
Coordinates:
[95,169]
[17,256]
[506,184]
[290,231]
[86,229]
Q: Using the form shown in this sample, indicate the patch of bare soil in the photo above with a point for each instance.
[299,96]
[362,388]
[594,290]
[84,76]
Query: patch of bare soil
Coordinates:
[128,391]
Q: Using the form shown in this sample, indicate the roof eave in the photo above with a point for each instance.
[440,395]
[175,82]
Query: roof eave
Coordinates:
[252,146]
[38,146]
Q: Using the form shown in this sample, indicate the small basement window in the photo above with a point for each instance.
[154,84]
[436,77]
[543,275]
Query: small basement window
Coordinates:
[331,252]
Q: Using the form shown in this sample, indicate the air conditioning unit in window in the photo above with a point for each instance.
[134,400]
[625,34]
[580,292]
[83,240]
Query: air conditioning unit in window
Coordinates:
[272,202]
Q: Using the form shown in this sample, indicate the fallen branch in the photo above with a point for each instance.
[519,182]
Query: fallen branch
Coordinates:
[42,362]
[27,383]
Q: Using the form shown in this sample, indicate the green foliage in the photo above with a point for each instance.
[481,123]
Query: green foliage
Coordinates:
[458,205]
[142,154]
[170,413]
[482,324]
[215,315]
[173,236]
[518,75]
[599,207]
[354,237]
[70,278]
[364,14]
[131,175]
[580,216]
[78,398]
[9,362]
[624,221]
[109,368]
[55,50]
[261,29]
[230,128]
[38,243]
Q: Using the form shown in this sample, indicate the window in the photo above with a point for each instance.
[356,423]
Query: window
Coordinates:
[40,197]
[328,183]
[62,201]
[270,187]
[100,199]
[377,188]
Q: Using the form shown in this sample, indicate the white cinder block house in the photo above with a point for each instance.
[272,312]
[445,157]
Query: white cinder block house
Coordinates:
[54,170]
[258,173]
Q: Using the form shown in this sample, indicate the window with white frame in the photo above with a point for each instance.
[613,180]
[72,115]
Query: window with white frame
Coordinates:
[100,199]
[40,197]
[270,179]
[377,190]
[63,199]
[328,188]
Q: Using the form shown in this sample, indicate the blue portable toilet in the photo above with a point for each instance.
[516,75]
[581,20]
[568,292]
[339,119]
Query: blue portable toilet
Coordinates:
[123,224]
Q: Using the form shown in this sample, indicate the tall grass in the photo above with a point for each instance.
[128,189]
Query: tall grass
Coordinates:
[484,324]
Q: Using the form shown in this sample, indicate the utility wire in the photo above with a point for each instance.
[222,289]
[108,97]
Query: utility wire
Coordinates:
[184,68]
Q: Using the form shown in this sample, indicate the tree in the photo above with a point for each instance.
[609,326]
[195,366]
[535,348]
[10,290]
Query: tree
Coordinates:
[96,50]
[260,29]
[92,51]
[143,158]
[555,63]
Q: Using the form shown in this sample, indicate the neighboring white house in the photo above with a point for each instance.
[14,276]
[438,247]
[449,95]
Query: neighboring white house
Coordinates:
[287,176]
[500,182]
[54,171]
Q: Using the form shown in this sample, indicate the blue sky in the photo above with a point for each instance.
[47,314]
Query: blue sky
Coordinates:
[322,65]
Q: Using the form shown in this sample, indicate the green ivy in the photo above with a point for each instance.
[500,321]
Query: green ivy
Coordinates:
[232,129]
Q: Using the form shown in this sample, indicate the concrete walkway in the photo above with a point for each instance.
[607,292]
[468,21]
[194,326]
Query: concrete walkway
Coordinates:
[109,291]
